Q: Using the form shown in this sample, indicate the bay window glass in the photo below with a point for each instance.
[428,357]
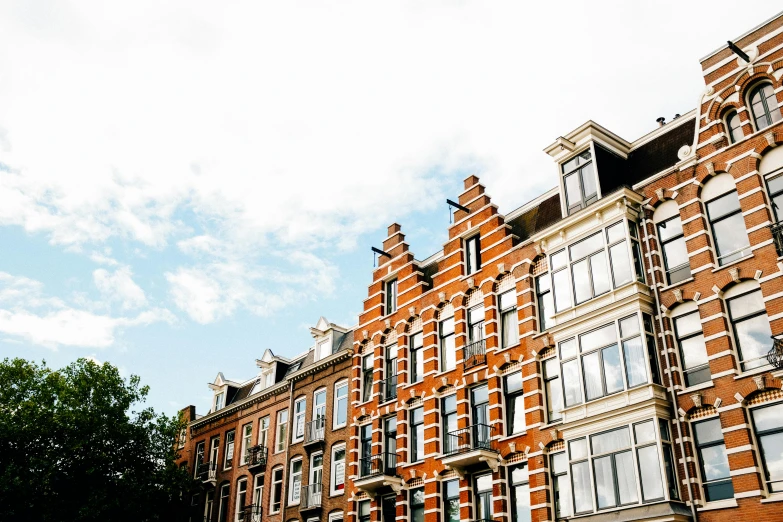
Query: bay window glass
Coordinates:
[602,371]
[728,227]
[580,183]
[751,328]
[649,461]
[570,368]
[560,281]
[589,268]
[509,327]
[693,350]
[713,460]
[675,252]
[615,479]
[668,460]
[768,425]
[416,357]
[764,106]
[561,487]
[633,351]
[546,304]
[618,254]
[554,394]
[734,127]
[515,403]
[448,350]
[520,494]
[580,477]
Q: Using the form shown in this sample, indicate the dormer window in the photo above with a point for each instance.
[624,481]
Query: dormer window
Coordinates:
[219,400]
[322,350]
[579,181]
[472,254]
[391,296]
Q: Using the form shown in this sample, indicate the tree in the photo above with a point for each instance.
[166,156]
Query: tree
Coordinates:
[73,448]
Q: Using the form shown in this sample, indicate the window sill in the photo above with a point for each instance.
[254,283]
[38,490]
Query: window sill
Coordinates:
[740,260]
[755,371]
[719,504]
[341,426]
[775,497]
[696,387]
[512,436]
[417,463]
[678,283]
[333,495]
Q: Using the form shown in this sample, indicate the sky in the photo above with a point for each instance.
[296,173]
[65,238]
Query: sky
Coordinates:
[186,184]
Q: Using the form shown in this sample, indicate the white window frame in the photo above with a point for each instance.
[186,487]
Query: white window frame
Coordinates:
[228,452]
[291,481]
[220,500]
[299,420]
[219,402]
[320,348]
[336,401]
[238,509]
[281,431]
[279,484]
[310,474]
[333,470]
[247,441]
[263,432]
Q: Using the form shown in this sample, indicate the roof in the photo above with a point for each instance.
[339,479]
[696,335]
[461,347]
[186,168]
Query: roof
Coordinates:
[537,218]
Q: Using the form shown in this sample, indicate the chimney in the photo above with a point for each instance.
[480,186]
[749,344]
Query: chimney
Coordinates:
[661,121]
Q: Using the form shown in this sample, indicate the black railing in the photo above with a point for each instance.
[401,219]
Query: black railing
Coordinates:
[311,497]
[256,457]
[389,388]
[207,471]
[476,437]
[380,464]
[314,430]
[251,513]
[777,236]
[775,355]
[474,354]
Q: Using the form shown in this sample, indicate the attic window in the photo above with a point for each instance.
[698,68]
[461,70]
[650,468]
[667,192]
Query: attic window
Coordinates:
[219,400]
[579,181]
[294,367]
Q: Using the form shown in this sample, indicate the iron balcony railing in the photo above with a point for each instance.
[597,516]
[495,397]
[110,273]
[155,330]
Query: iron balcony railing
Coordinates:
[775,355]
[777,236]
[256,457]
[314,430]
[474,354]
[380,464]
[389,388]
[207,471]
[311,497]
[251,513]
[476,437]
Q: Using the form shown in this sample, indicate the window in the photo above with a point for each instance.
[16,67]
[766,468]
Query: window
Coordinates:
[239,508]
[633,352]
[223,504]
[546,306]
[391,296]
[258,494]
[713,459]
[589,270]
[580,476]
[293,368]
[472,254]
[337,481]
[300,408]
[451,501]
[554,394]
[389,388]
[366,378]
[295,482]
[208,505]
[675,253]
[416,358]
[509,326]
[520,494]
[601,367]
[363,509]
[668,460]
[276,498]
[561,488]
[693,350]
[775,188]
[229,456]
[199,457]
[751,328]
[417,434]
[615,481]
[340,404]
[316,476]
[728,227]
[263,431]
[449,419]
[479,402]
[649,461]
[247,436]
[390,444]
[214,449]
[448,350]
[219,400]
[579,181]
[483,490]
[764,106]
[365,449]
[734,127]
[282,430]
[768,425]
[515,403]
[416,502]
[322,350]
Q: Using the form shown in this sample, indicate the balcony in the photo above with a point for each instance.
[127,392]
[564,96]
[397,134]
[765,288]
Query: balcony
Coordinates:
[314,431]
[389,389]
[474,354]
[207,472]
[251,513]
[378,471]
[775,355]
[311,497]
[777,236]
[469,446]
[256,458]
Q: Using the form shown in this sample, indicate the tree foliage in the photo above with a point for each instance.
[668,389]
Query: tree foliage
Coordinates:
[75,448]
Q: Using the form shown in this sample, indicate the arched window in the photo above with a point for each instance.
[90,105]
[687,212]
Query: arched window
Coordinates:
[694,361]
[750,324]
[725,216]
[734,126]
[764,106]
[672,240]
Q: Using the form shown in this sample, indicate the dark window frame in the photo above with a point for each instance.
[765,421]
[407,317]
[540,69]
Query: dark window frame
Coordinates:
[367,377]
[712,221]
[678,339]
[699,447]
[761,433]
[415,352]
[541,297]
[472,246]
[390,296]
[670,271]
[509,400]
[768,113]
[414,425]
[734,320]
[729,118]
[584,160]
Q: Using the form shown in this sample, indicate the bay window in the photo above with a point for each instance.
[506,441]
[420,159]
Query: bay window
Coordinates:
[713,460]
[768,425]
[554,394]
[546,305]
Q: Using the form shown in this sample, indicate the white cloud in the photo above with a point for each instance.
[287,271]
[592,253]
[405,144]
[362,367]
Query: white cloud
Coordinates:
[119,286]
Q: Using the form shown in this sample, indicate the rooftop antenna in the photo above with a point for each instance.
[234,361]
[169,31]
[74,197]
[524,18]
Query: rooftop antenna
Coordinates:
[458,207]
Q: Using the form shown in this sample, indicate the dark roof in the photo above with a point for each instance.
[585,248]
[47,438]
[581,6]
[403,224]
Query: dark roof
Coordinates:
[537,218]
[345,343]
[241,393]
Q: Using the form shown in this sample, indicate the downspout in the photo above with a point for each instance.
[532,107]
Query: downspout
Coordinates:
[286,467]
[659,314]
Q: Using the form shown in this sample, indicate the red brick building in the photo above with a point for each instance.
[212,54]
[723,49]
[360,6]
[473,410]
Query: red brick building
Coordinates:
[604,352]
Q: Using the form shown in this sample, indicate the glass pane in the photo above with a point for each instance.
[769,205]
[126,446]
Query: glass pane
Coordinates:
[568,349]
[775,184]
[573,192]
[554,399]
[547,306]
[450,404]
[644,432]
[449,353]
[715,461]
[509,299]
[613,373]
[723,205]
[517,405]
[479,395]
[588,181]
[571,383]
[604,482]
[629,326]
[484,483]
[600,272]
[514,382]
[626,477]
[746,305]
[675,254]
[719,490]
[777,204]
[768,418]
[562,290]
[708,431]
[616,232]
[586,246]
[558,260]
[772,449]
[755,340]
[521,509]
[730,237]
[577,449]
[597,338]
[592,369]
[580,475]
[519,474]
[510,327]
[688,324]
[635,367]
[669,229]
[610,441]
[447,326]
[582,289]
[562,492]
[559,463]
[476,315]
[621,264]
[694,352]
